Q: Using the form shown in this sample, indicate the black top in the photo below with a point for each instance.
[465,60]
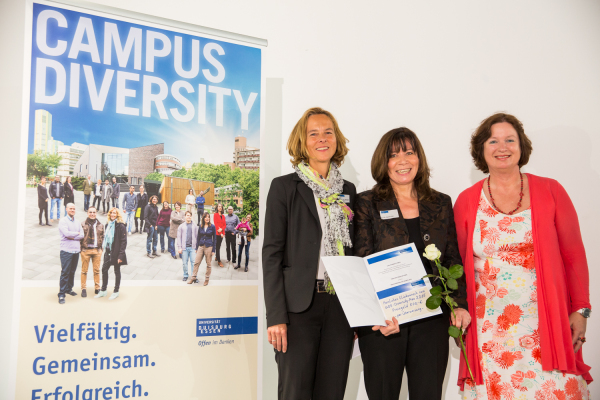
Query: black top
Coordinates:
[414,236]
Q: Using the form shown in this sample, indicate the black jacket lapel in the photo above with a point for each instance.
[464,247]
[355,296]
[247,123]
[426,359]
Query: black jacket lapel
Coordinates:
[308,196]
[428,213]
[385,205]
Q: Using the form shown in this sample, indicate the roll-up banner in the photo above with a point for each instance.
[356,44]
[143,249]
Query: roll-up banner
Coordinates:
[139,266]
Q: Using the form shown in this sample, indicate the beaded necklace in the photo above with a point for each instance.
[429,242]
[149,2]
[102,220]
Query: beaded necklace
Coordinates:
[494,204]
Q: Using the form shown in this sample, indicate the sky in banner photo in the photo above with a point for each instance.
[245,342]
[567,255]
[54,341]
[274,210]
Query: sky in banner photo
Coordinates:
[110,82]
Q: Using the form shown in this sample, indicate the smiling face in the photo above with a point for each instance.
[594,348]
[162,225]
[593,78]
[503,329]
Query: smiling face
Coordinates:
[71,210]
[154,200]
[177,207]
[91,213]
[113,215]
[320,139]
[131,188]
[502,150]
[207,218]
[403,166]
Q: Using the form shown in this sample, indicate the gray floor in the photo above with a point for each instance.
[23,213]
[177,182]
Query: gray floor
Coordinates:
[41,253]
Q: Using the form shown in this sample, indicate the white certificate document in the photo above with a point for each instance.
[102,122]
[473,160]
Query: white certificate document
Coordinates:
[381,286]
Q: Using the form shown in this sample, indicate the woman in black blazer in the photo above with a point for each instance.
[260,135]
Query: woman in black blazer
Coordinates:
[42,192]
[306,324]
[69,192]
[424,216]
[115,243]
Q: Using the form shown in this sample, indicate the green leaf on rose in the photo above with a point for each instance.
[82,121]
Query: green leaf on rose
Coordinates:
[456,271]
[433,302]
[454,331]
[452,284]
[435,290]
[429,276]
[445,272]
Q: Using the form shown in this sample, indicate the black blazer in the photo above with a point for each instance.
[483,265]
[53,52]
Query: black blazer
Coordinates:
[42,196]
[292,241]
[117,252]
[374,234]
[69,195]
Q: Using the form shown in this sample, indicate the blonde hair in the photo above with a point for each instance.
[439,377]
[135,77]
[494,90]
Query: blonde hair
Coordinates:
[119,215]
[296,144]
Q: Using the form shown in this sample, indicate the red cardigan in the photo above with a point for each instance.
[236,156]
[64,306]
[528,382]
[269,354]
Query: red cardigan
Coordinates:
[219,221]
[561,270]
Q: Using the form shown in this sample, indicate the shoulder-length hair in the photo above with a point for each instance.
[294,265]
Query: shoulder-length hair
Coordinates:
[119,218]
[483,133]
[152,197]
[203,224]
[390,143]
[296,144]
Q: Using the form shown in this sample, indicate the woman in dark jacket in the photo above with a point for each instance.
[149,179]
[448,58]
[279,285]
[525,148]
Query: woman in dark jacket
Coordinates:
[302,307]
[164,223]
[115,243]
[422,216]
[150,226]
[42,191]
[69,193]
[205,244]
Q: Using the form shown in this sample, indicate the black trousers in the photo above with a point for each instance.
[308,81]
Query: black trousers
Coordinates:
[99,200]
[218,252]
[230,246]
[44,210]
[106,267]
[421,347]
[317,360]
[200,213]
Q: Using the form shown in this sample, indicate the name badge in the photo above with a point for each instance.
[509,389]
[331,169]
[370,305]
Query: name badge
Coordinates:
[389,214]
[345,198]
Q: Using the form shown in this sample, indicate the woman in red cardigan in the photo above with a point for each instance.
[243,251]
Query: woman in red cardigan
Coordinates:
[527,275]
[219,221]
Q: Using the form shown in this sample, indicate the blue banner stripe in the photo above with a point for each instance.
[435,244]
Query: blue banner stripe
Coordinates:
[391,254]
[399,289]
[227,326]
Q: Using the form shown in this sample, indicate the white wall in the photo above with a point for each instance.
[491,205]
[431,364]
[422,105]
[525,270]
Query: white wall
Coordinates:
[437,67]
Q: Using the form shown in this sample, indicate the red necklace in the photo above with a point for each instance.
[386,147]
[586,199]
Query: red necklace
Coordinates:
[494,204]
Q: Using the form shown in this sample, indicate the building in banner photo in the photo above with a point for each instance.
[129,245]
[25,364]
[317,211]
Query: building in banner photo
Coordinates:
[43,140]
[166,164]
[245,157]
[127,165]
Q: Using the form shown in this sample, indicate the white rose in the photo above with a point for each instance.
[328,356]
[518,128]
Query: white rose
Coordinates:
[432,253]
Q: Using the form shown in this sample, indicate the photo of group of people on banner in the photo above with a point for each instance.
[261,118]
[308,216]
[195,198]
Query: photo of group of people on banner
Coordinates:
[104,245]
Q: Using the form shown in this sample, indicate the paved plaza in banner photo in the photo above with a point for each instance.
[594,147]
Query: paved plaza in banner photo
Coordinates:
[41,253]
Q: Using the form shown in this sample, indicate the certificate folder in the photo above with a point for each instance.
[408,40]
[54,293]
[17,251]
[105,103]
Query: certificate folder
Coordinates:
[380,286]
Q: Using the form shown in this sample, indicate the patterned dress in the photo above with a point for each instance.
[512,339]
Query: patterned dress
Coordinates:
[507,314]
